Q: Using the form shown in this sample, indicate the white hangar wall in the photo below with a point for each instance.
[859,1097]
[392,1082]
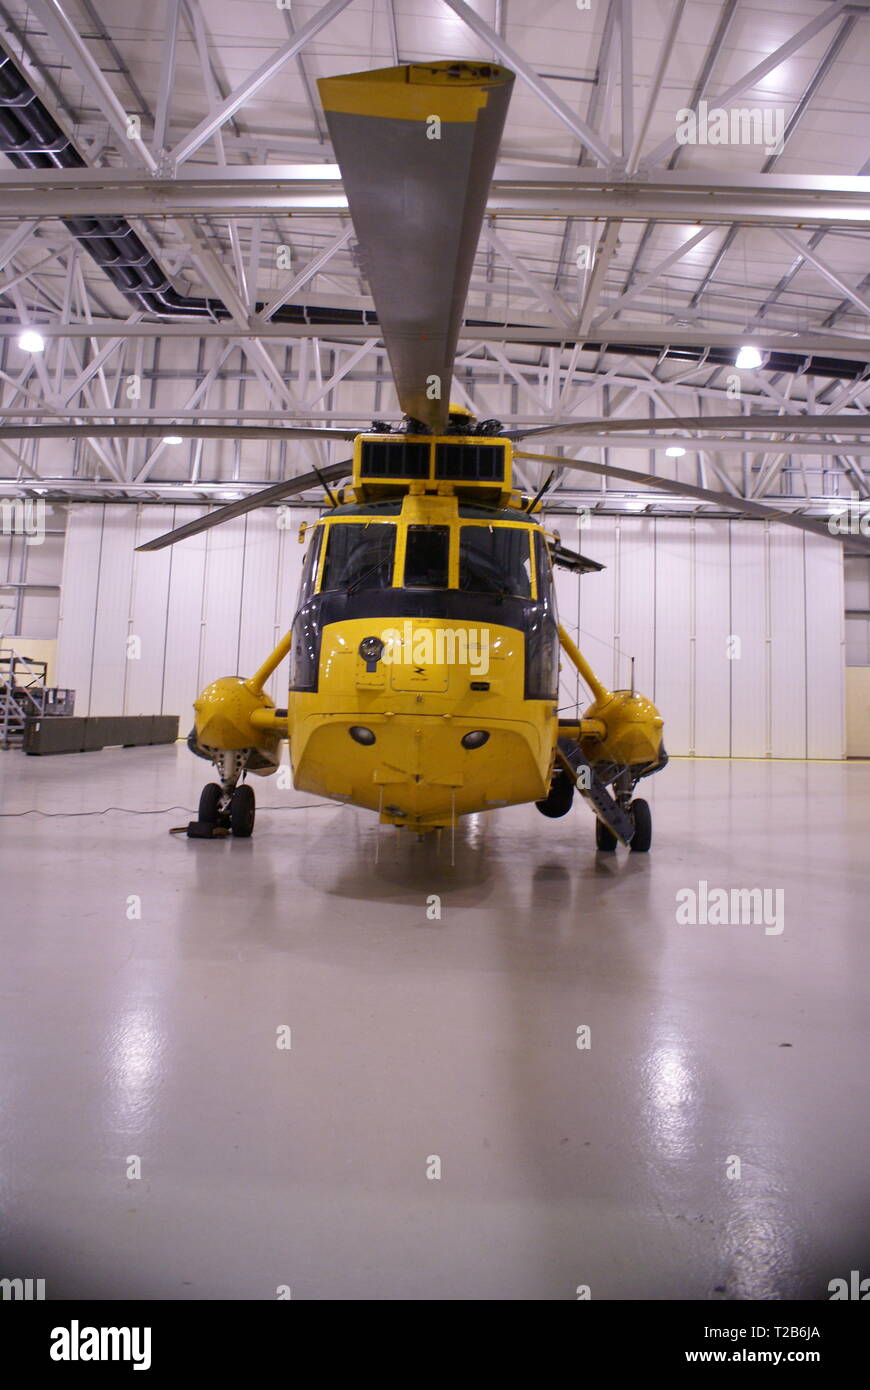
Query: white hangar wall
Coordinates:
[737,627]
[185,604]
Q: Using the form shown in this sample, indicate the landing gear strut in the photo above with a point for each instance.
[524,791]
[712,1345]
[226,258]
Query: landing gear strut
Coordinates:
[638,813]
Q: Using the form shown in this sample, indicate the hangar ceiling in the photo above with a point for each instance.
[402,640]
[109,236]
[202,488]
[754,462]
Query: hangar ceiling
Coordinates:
[618,274]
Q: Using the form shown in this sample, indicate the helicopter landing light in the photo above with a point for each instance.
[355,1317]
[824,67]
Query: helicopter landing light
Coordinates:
[475,739]
[360,734]
[371,649]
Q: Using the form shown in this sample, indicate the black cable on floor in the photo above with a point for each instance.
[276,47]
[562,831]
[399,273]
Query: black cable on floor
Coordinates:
[129,811]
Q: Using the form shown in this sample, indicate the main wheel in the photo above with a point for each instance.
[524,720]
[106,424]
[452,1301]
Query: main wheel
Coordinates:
[209,802]
[604,836]
[642,817]
[242,806]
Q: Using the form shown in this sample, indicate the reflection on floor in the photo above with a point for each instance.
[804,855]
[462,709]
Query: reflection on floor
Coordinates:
[147,981]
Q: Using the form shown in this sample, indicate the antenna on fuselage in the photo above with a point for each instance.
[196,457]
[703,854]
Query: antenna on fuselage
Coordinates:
[540,492]
[329,492]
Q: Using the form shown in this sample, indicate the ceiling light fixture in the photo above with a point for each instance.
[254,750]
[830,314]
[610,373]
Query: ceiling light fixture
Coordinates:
[675,451]
[748,357]
[31,341]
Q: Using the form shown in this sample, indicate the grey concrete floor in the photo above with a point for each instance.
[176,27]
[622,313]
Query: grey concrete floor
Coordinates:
[155,1036]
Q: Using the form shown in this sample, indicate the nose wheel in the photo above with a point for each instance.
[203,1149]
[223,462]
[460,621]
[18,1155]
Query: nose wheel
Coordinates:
[223,809]
[642,816]
[242,811]
[210,805]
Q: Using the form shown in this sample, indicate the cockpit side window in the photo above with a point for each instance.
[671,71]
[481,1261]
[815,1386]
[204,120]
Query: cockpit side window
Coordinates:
[359,556]
[495,560]
[309,568]
[544,572]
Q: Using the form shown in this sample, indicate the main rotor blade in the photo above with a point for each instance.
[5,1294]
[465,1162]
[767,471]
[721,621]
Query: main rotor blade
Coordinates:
[416,146]
[774,424]
[87,431]
[331,474]
[743,505]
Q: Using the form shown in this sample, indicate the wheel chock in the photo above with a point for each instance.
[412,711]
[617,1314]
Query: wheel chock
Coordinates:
[201,830]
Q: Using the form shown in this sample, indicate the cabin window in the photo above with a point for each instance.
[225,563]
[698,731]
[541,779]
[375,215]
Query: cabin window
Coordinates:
[427,557]
[495,560]
[359,556]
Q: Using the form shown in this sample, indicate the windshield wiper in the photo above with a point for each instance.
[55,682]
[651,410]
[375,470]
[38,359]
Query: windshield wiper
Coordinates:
[362,576]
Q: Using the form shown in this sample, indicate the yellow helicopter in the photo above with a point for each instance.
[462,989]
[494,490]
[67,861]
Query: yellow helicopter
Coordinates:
[425,648]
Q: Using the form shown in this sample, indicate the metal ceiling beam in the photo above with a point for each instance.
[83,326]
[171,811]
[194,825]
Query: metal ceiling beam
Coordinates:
[111,48]
[30,272]
[742,506]
[772,467]
[306,274]
[517,374]
[543,293]
[513,60]
[526,191]
[680,312]
[641,285]
[596,102]
[171,19]
[571,492]
[616,336]
[751,79]
[704,456]
[14,242]
[711,57]
[338,375]
[485,371]
[42,79]
[196,24]
[394,32]
[655,86]
[828,59]
[195,396]
[313,103]
[67,38]
[603,254]
[824,269]
[218,278]
[258,79]
[626,77]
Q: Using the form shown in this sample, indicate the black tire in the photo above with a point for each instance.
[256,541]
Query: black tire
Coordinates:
[642,817]
[604,837]
[209,801]
[242,808]
[559,799]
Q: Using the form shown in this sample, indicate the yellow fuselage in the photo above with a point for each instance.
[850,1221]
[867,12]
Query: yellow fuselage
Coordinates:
[417,771]
[441,677]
